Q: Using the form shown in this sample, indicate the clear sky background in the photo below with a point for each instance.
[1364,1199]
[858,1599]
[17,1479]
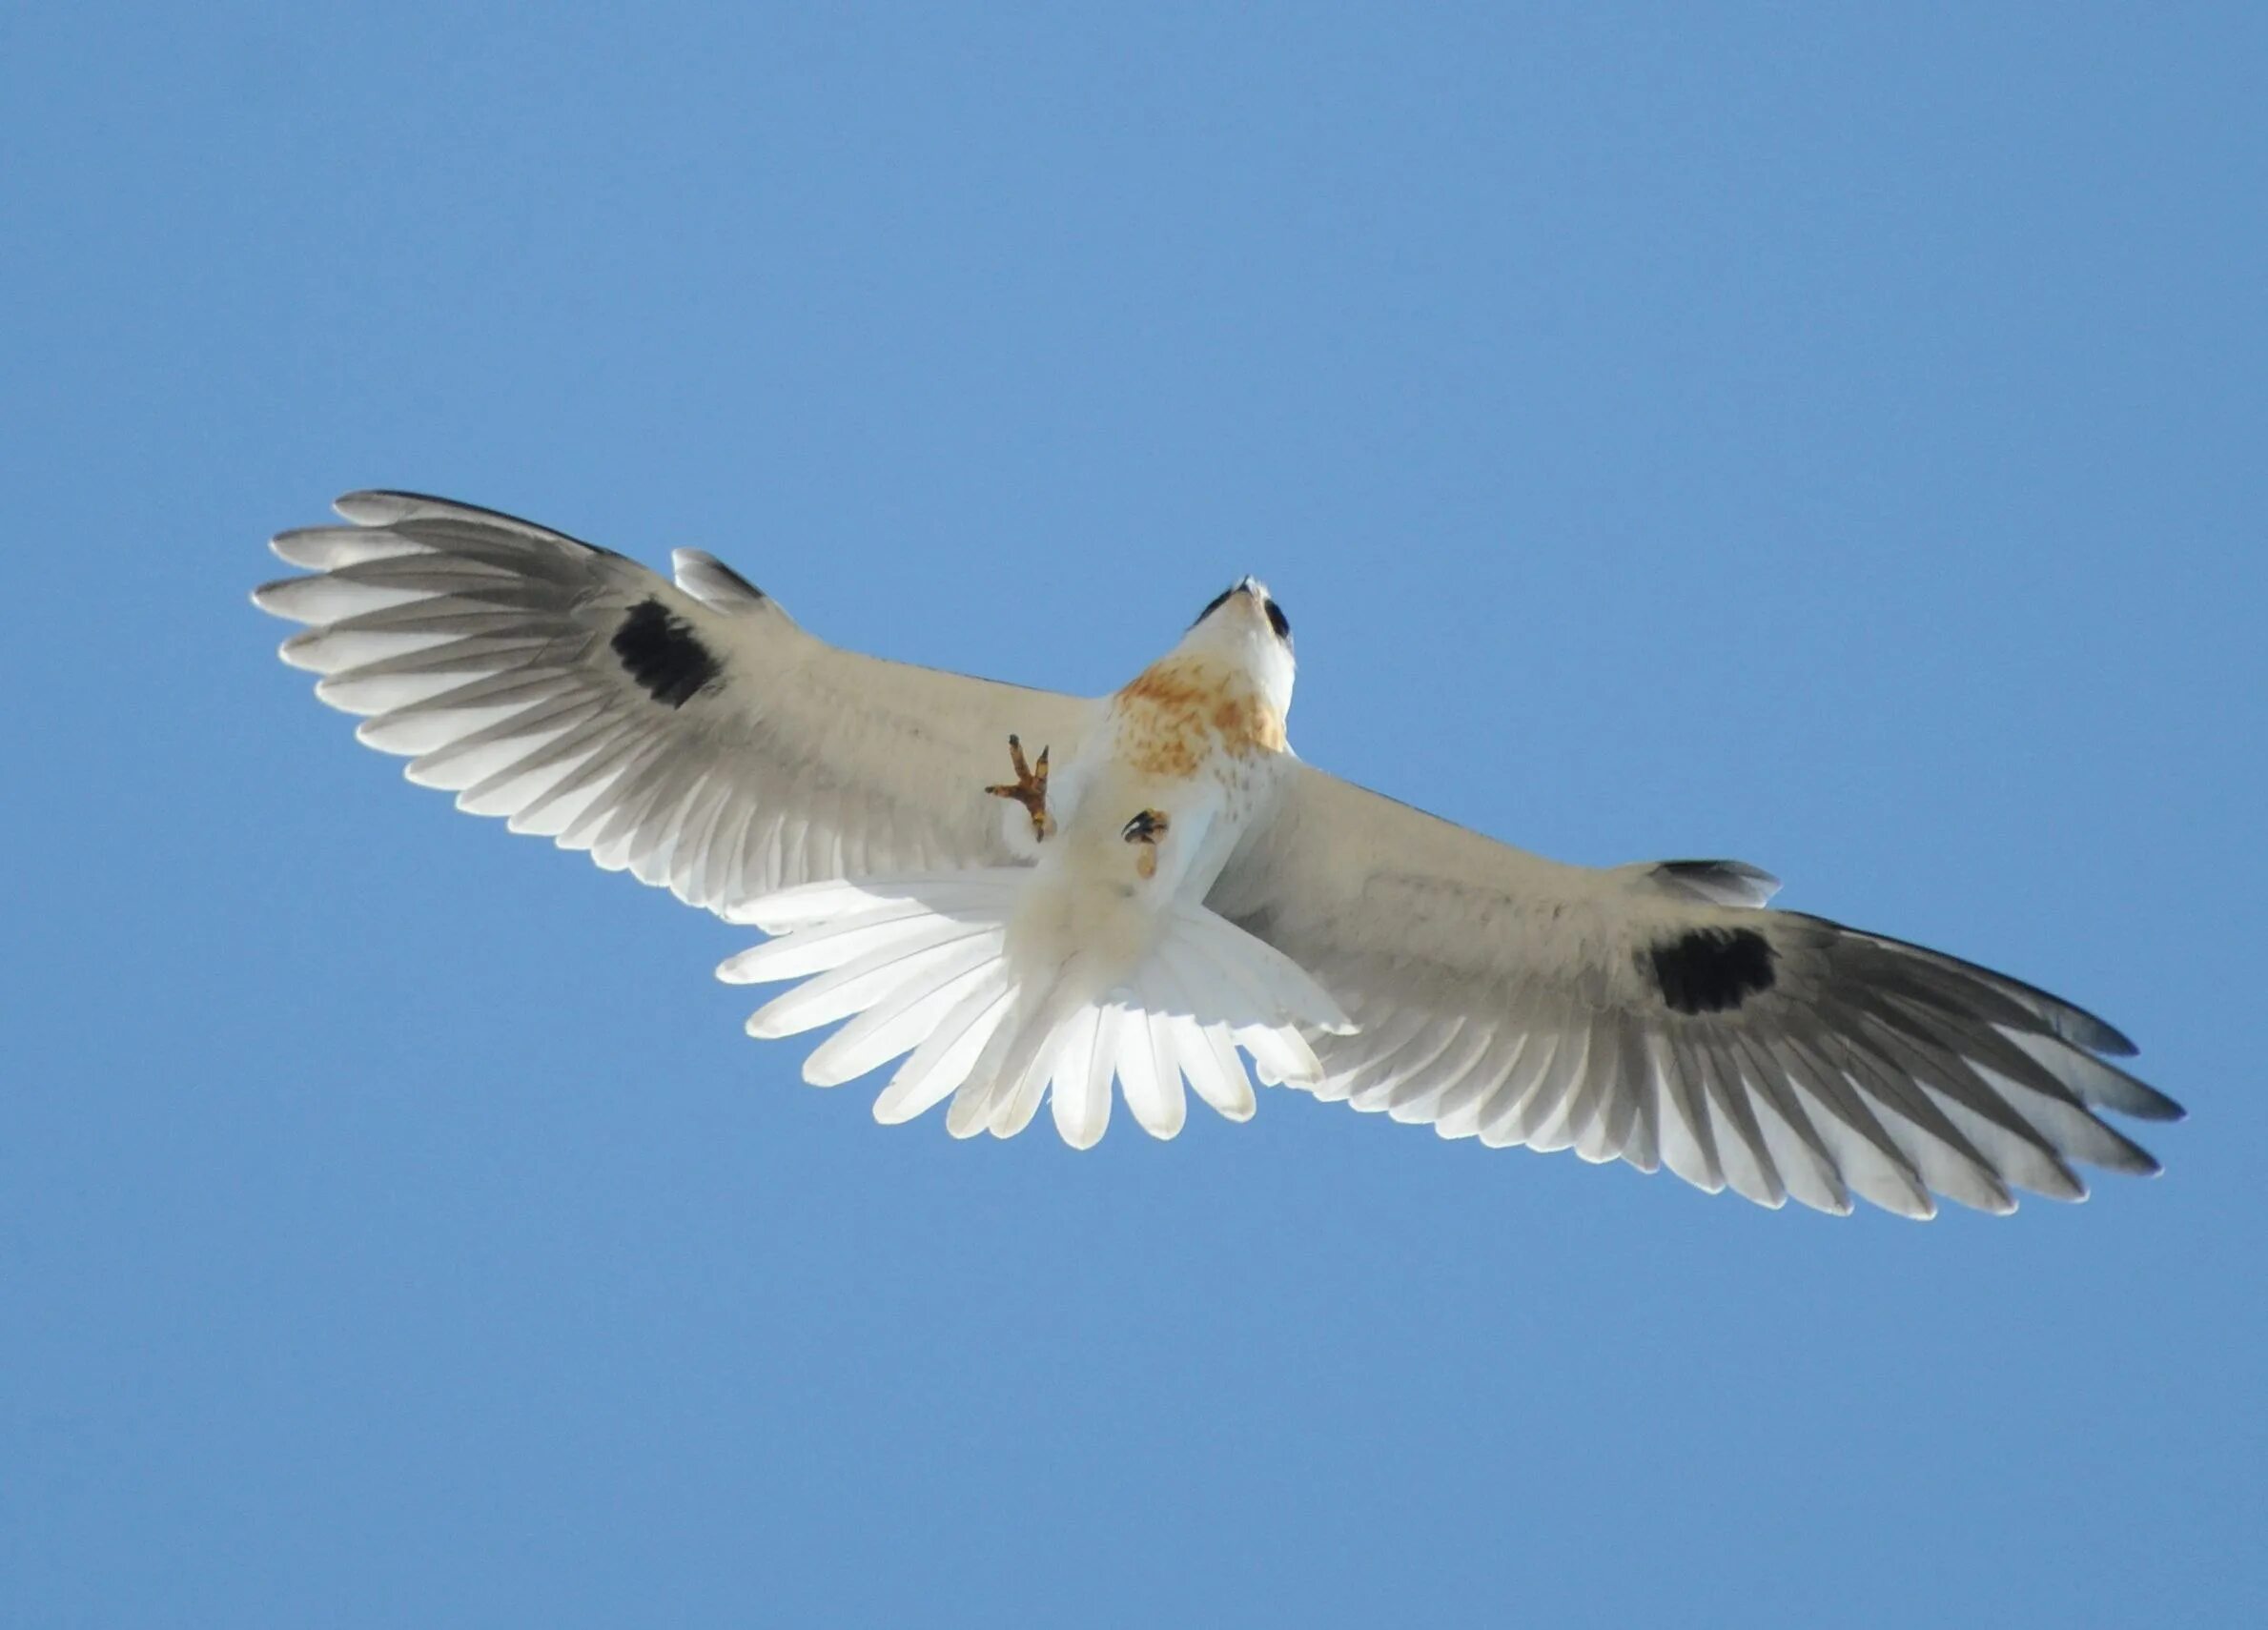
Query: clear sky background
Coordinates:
[1830,436]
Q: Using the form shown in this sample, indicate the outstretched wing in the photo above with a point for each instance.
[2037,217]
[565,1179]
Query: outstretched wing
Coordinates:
[690,732]
[1655,1014]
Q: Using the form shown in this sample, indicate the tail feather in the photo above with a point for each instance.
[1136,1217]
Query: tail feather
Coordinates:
[1061,1070]
[944,892]
[1150,1072]
[1009,1048]
[907,924]
[1014,1105]
[929,967]
[874,977]
[1279,1054]
[897,1023]
[1083,1113]
[946,1056]
[1215,1072]
[1194,1049]
[1280,1057]
[1272,981]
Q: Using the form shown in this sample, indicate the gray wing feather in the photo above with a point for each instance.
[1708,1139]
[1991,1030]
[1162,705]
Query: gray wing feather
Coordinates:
[690,733]
[1660,1015]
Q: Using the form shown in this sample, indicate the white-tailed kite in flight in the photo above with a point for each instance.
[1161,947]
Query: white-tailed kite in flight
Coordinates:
[1181,890]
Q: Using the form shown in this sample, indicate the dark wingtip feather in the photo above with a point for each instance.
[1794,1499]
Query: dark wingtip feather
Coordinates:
[388,506]
[2070,1022]
[2097,1036]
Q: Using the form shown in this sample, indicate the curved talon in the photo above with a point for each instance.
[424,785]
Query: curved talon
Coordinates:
[1030,788]
[1146,828]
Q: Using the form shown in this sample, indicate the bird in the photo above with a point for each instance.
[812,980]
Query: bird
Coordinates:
[1162,892]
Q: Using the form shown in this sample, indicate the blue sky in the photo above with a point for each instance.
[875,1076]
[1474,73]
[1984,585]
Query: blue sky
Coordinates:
[1823,436]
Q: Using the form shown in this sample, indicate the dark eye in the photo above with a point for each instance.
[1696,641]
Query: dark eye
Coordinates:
[1278,621]
[1214,604]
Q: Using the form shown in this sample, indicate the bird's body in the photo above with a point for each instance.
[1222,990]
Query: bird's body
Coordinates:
[1199,736]
[1102,930]
[1166,885]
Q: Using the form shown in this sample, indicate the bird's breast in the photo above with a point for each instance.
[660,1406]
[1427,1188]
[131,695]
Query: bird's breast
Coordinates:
[1179,718]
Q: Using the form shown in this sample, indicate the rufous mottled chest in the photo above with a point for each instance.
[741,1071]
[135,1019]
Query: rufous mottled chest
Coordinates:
[1183,715]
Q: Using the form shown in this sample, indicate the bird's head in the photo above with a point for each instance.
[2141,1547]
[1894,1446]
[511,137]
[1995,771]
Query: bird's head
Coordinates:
[1245,628]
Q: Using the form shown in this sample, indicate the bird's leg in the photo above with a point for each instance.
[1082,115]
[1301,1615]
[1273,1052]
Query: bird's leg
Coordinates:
[1030,788]
[1145,829]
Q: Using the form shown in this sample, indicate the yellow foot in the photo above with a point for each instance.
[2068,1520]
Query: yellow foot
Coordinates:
[1145,829]
[1030,788]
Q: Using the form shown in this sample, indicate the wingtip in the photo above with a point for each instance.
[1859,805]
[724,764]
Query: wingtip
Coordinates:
[2146,1103]
[302,651]
[374,506]
[2107,1039]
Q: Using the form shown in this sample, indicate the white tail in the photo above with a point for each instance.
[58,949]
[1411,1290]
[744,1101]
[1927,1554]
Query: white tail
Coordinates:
[931,966]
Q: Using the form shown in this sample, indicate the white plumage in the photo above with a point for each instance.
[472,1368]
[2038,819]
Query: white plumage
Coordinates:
[909,960]
[1179,894]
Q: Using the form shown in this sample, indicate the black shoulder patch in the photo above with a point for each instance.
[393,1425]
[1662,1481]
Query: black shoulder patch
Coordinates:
[659,650]
[1708,971]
